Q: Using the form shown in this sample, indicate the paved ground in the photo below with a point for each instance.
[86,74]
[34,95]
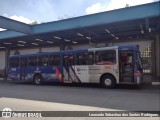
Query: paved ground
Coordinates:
[84,97]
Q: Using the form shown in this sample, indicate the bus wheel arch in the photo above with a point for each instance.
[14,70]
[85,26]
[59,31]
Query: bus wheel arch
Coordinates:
[108,80]
[37,79]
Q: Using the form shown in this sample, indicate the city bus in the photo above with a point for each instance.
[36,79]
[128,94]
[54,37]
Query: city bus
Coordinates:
[105,65]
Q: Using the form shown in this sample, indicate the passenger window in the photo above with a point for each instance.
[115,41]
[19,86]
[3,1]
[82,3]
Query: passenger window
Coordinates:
[85,58]
[14,62]
[43,60]
[68,60]
[32,61]
[106,57]
[23,62]
[54,60]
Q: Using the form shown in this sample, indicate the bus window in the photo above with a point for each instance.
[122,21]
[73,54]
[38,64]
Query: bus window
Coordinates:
[54,60]
[32,61]
[85,58]
[14,62]
[105,57]
[43,61]
[23,62]
[68,60]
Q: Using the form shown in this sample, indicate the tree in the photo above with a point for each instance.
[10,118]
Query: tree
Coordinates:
[127,5]
[33,23]
[64,17]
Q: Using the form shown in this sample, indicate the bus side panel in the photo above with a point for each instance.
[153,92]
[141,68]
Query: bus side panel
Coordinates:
[31,72]
[49,73]
[14,73]
[81,73]
[96,71]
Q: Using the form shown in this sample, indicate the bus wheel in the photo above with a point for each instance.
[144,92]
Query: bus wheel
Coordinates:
[108,81]
[37,80]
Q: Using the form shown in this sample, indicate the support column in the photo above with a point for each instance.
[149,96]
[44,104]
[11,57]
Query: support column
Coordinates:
[157,45]
[7,53]
[62,45]
[153,57]
[40,49]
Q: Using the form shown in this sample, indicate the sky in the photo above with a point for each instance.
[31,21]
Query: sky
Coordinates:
[28,11]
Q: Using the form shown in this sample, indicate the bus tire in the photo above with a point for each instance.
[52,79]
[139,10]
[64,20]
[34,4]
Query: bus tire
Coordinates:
[37,80]
[108,81]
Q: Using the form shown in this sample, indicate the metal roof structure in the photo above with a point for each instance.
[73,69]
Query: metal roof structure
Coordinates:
[137,22]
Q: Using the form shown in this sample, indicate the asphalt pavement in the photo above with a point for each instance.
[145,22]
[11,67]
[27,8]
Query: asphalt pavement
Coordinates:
[84,97]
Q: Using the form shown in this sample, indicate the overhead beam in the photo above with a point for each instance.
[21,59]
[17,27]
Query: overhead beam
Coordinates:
[119,15]
[10,24]
[147,25]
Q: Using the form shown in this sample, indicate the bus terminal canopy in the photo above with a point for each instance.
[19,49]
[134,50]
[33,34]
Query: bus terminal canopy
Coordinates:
[138,22]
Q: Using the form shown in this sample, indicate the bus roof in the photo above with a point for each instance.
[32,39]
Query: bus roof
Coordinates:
[103,48]
[127,47]
[49,53]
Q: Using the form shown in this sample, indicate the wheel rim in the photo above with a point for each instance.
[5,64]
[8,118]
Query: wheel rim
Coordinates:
[108,82]
[38,80]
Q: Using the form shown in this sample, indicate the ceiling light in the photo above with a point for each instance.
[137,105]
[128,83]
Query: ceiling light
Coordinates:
[66,40]
[74,42]
[88,38]
[22,41]
[7,43]
[20,45]
[112,35]
[49,42]
[117,38]
[107,31]
[57,37]
[38,39]
[34,43]
[80,34]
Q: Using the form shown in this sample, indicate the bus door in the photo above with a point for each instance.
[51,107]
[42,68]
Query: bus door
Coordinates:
[68,68]
[23,66]
[126,66]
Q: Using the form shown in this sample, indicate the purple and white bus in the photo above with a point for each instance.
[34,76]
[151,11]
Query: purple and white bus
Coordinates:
[106,65]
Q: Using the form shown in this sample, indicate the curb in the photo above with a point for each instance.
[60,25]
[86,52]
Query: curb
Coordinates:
[155,83]
[3,80]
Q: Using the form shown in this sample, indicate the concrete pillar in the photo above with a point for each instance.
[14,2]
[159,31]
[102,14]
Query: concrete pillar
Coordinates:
[157,46]
[7,53]
[62,45]
[40,49]
[153,57]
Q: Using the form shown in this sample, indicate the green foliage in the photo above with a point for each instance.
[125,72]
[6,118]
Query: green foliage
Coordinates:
[34,23]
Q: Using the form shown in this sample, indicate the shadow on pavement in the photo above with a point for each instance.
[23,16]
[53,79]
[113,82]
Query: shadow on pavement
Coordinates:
[86,85]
